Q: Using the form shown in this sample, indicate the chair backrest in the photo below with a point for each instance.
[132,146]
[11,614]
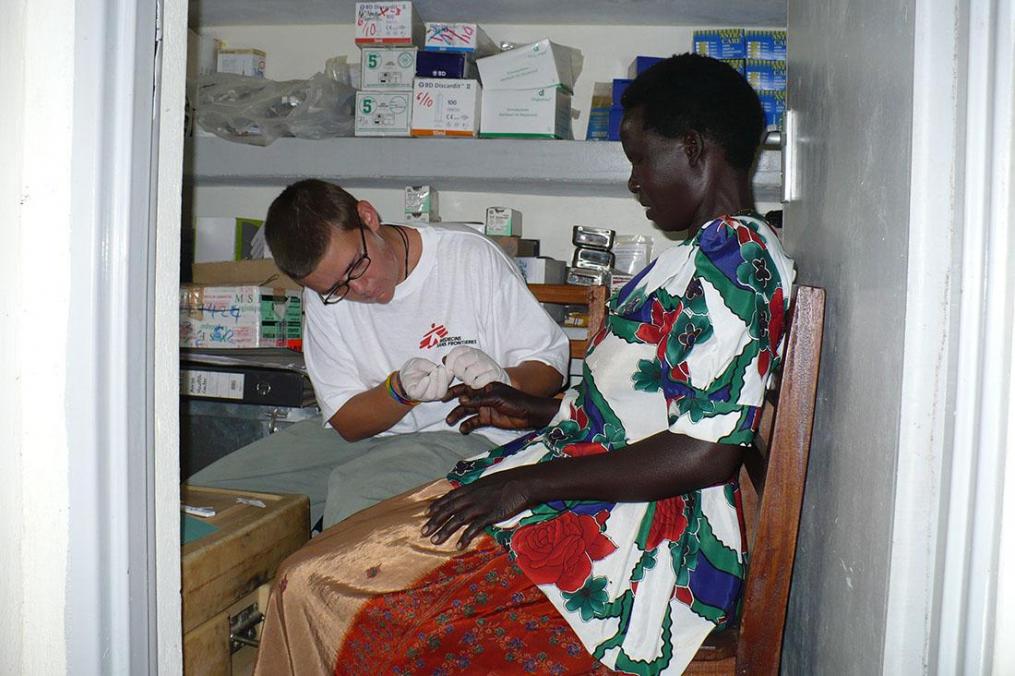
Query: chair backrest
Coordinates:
[570,294]
[772,486]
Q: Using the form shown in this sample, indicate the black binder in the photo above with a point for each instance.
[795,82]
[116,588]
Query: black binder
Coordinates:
[248,385]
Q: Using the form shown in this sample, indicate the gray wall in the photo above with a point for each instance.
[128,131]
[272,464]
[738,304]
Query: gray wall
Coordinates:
[851,70]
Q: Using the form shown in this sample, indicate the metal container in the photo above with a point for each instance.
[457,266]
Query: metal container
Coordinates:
[587,277]
[597,238]
[595,259]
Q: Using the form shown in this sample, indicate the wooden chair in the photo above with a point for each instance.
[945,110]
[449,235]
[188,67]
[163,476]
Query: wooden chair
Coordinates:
[571,294]
[772,484]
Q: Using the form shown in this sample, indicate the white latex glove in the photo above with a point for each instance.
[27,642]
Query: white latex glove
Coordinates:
[422,380]
[474,367]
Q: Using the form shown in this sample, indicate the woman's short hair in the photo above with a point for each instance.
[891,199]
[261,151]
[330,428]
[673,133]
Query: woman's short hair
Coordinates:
[300,221]
[689,91]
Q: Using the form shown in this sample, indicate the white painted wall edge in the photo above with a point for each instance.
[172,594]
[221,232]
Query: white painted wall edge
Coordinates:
[928,344]
[974,486]
[166,356]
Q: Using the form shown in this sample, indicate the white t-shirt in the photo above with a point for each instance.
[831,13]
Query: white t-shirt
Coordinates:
[464,291]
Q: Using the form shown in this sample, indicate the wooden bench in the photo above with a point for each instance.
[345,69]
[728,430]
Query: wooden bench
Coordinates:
[772,485]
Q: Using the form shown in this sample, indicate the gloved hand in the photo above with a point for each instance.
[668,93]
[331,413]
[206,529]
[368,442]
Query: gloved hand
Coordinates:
[422,380]
[474,367]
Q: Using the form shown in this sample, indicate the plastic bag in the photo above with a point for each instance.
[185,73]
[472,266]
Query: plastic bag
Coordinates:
[633,252]
[258,111]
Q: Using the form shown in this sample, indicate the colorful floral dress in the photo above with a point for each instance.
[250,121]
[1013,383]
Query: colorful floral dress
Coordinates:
[688,347]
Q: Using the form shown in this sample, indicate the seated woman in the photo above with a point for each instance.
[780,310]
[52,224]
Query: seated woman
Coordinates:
[611,536]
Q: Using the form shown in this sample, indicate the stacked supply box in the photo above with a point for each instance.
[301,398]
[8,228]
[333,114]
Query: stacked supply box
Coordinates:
[527,92]
[239,316]
[758,55]
[446,96]
[593,259]
[388,35]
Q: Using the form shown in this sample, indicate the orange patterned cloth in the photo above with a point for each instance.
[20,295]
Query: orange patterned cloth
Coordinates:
[371,596]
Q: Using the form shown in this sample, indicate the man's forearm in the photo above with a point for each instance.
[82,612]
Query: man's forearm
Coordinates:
[535,377]
[367,414]
[661,466]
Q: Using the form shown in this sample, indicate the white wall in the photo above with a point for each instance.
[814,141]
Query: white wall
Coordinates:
[36,64]
[851,74]
[299,51]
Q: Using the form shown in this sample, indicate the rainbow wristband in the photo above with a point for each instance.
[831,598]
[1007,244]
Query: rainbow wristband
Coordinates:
[389,385]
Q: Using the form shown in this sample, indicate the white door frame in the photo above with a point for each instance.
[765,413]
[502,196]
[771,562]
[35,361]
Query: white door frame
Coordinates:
[123,590]
[958,370]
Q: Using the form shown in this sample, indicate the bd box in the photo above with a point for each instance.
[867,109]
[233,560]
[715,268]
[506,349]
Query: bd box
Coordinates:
[532,113]
[442,107]
[387,67]
[464,38]
[536,66]
[445,65]
[388,23]
[383,113]
[239,316]
[724,43]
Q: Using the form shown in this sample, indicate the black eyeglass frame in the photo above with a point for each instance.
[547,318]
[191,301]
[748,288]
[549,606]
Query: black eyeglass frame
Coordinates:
[341,288]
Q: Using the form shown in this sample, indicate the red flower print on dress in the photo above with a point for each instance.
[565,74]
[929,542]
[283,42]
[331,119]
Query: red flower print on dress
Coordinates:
[775,327]
[668,523]
[746,234]
[584,448]
[560,551]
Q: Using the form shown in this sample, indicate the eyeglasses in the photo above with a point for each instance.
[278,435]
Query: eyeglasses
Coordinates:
[356,270]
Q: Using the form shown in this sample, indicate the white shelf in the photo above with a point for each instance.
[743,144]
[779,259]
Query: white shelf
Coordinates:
[512,166]
[771,13]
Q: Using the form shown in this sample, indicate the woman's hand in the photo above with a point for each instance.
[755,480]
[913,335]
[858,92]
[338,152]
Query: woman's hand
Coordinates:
[499,405]
[475,506]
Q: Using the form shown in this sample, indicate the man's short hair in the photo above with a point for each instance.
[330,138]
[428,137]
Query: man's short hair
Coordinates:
[300,222]
[689,91]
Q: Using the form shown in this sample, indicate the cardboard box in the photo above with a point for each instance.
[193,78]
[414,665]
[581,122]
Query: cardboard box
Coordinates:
[223,239]
[249,62]
[387,67]
[388,23]
[533,113]
[725,43]
[767,45]
[503,222]
[770,75]
[259,272]
[537,270]
[736,64]
[445,107]
[462,38]
[445,65]
[538,65]
[383,113]
[641,64]
[516,247]
[239,316]
[774,105]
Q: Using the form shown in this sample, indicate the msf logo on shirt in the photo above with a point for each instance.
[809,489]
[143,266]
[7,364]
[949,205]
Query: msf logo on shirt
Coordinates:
[432,338]
[438,336]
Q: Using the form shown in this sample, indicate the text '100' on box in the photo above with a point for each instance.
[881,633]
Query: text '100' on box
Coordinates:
[442,107]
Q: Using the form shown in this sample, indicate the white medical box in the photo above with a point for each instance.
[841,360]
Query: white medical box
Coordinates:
[463,38]
[532,113]
[503,222]
[443,107]
[387,67]
[388,23]
[537,270]
[383,113]
[249,62]
[540,64]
